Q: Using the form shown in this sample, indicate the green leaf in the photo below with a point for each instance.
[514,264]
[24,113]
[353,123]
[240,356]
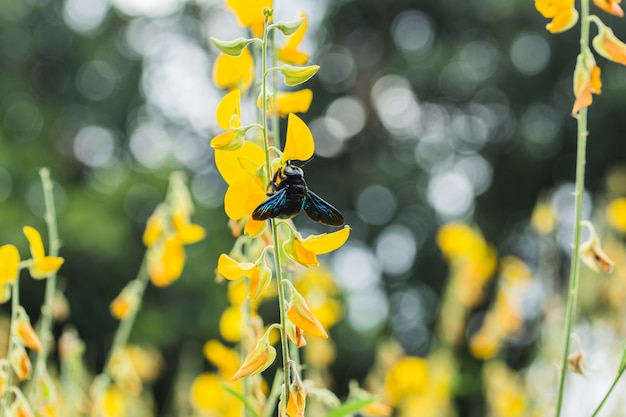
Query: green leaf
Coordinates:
[297,75]
[234,47]
[350,408]
[241,398]
[288,28]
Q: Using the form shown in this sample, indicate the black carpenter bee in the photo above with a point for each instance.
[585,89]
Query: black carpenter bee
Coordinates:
[290,194]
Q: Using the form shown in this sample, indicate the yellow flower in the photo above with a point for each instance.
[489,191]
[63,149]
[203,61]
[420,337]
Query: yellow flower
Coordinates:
[225,359]
[9,263]
[154,228]
[610,6]
[166,262]
[301,315]
[233,270]
[231,323]
[25,333]
[234,71]
[297,399]
[562,13]
[42,265]
[250,13]
[291,102]
[258,360]
[126,302]
[112,403]
[299,143]
[305,251]
[549,8]
[228,115]
[289,53]
[608,45]
[408,376]
[586,81]
[186,232]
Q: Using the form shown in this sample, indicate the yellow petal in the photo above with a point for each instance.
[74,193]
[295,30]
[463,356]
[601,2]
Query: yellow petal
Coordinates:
[154,230]
[299,144]
[301,315]
[242,197]
[206,393]
[616,214]
[327,242]
[228,111]
[408,376]
[9,263]
[45,266]
[224,358]
[289,53]
[564,20]
[166,266]
[294,102]
[250,13]
[254,228]
[233,165]
[549,8]
[259,359]
[230,324]
[228,141]
[294,249]
[234,71]
[36,244]
[233,270]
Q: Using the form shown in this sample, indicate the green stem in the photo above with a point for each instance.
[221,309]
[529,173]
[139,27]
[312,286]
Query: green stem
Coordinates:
[606,396]
[15,304]
[45,324]
[579,191]
[282,302]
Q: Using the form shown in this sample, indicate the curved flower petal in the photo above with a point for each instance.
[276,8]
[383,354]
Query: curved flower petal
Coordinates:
[608,45]
[233,165]
[250,13]
[610,6]
[228,112]
[549,8]
[301,315]
[233,270]
[327,242]
[234,71]
[294,102]
[242,197]
[563,20]
[289,53]
[294,249]
[36,244]
[259,359]
[9,263]
[299,143]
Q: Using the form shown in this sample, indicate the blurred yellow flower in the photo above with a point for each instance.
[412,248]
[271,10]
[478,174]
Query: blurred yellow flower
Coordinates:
[305,251]
[289,52]
[543,219]
[234,71]
[562,13]
[154,228]
[233,270]
[25,333]
[616,214]
[231,324]
[186,232]
[291,102]
[166,262]
[549,8]
[42,265]
[228,115]
[225,359]
[208,396]
[9,263]
[408,376]
[250,13]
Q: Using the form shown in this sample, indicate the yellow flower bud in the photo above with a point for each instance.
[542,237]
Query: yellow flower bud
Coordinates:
[258,360]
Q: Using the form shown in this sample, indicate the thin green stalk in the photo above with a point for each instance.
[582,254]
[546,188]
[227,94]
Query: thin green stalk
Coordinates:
[606,396]
[277,259]
[45,323]
[15,304]
[572,295]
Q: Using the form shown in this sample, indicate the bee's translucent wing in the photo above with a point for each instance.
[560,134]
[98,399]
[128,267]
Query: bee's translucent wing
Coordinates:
[321,211]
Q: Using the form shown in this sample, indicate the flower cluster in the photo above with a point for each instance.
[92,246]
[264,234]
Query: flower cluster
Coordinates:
[248,155]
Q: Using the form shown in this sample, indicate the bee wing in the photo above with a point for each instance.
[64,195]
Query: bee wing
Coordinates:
[271,207]
[321,211]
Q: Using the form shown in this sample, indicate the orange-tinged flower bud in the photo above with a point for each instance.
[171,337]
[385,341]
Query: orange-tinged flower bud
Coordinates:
[295,334]
[297,399]
[127,301]
[260,280]
[20,362]
[25,333]
[258,360]
[42,265]
[608,45]
[610,6]
[154,229]
[301,315]
[586,81]
[9,263]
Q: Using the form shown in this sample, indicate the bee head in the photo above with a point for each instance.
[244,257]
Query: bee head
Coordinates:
[292,170]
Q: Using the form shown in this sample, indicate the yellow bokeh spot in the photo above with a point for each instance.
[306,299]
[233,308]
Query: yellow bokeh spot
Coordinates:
[408,376]
[230,324]
[224,358]
[299,143]
[543,220]
[206,392]
[616,214]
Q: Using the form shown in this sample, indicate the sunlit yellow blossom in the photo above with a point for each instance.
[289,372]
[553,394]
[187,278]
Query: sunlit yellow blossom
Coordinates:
[549,8]
[228,115]
[165,264]
[299,143]
[225,359]
[291,102]
[305,251]
[9,263]
[186,232]
[616,214]
[301,315]
[233,270]
[610,6]
[259,281]
[234,71]
[258,360]
[408,376]
[250,13]
[254,228]
[112,403]
[608,45]
[42,265]
[586,81]
[289,53]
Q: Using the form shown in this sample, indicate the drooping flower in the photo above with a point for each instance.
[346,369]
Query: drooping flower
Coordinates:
[289,52]
[20,362]
[25,333]
[258,360]
[608,45]
[305,251]
[301,315]
[586,81]
[42,265]
[592,255]
[297,398]
[234,71]
[610,6]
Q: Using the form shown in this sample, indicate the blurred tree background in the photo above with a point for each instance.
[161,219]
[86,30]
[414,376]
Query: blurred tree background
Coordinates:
[424,112]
